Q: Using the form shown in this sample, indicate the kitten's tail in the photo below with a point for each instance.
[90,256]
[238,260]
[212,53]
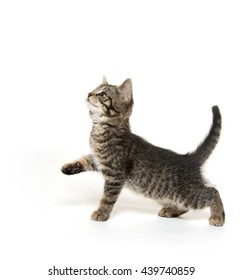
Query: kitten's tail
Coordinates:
[204,150]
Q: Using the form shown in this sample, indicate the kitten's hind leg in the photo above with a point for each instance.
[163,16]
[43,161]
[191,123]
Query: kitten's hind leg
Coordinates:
[171,212]
[203,197]
[85,163]
[217,217]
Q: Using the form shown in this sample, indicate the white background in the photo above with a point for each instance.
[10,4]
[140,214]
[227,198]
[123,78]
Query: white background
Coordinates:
[183,57]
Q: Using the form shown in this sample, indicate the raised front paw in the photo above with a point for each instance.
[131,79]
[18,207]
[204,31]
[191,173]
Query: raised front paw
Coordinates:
[99,216]
[72,168]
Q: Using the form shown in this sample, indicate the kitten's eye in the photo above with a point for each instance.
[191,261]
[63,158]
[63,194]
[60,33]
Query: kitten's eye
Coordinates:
[102,94]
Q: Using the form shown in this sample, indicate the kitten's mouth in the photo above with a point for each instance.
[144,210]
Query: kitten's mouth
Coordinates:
[90,102]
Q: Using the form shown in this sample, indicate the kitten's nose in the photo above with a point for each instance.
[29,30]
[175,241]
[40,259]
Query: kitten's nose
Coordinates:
[90,94]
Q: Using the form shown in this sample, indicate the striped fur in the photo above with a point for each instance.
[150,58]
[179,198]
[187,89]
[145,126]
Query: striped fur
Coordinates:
[125,159]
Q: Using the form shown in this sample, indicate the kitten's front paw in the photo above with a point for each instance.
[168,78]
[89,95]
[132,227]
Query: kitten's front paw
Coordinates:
[72,168]
[99,216]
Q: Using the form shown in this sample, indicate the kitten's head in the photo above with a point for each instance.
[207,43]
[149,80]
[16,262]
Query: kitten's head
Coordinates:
[109,102]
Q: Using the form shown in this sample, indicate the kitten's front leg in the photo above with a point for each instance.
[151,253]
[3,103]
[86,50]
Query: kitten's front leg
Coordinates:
[85,163]
[111,192]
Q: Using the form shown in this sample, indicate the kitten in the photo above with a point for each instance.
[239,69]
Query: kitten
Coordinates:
[125,159]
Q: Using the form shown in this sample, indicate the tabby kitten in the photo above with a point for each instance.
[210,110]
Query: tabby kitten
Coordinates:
[125,159]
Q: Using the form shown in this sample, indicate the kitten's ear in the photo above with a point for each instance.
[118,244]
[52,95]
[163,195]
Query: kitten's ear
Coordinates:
[126,90]
[104,81]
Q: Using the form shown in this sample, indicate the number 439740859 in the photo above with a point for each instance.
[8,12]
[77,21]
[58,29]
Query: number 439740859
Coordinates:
[170,270]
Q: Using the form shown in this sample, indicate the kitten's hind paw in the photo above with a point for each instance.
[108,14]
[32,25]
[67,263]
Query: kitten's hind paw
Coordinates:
[72,168]
[217,221]
[99,216]
[169,212]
